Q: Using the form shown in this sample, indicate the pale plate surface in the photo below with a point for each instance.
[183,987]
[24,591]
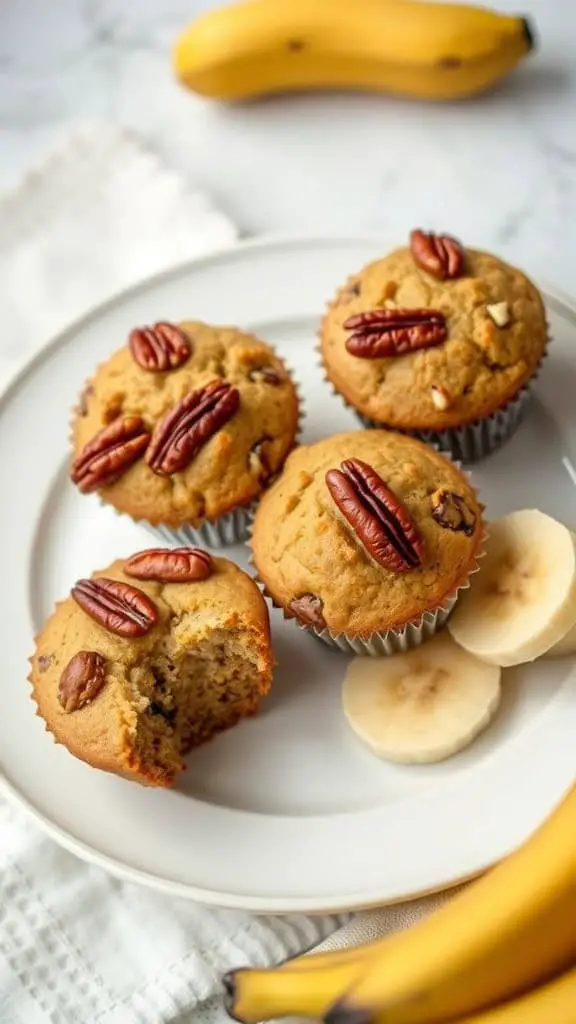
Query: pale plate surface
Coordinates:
[287,812]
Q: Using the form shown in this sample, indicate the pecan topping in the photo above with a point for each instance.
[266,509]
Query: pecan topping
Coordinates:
[189,425]
[81,680]
[308,609]
[175,565]
[451,511]
[110,453]
[382,524]
[439,255]
[161,347]
[394,332]
[116,606]
[265,375]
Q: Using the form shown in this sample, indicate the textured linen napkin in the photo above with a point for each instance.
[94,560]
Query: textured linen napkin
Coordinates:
[77,946]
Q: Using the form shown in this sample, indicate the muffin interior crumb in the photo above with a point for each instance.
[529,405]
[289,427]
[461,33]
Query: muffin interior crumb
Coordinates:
[186,693]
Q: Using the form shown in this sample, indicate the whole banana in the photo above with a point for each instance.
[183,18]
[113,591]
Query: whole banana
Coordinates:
[510,930]
[432,51]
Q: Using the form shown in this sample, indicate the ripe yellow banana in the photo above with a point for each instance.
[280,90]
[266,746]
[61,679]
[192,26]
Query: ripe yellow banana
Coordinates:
[293,989]
[514,927]
[431,51]
[554,1003]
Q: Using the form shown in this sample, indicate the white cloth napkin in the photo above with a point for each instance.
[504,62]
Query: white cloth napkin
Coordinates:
[76,946]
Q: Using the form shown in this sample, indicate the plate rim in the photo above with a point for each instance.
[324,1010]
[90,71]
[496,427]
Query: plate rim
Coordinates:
[553,297]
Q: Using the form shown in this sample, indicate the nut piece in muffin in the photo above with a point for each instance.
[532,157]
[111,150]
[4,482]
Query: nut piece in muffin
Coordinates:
[184,426]
[152,657]
[366,534]
[435,339]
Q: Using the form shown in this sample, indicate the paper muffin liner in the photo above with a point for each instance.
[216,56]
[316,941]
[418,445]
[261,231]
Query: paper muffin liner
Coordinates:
[473,441]
[469,442]
[226,530]
[232,528]
[389,641]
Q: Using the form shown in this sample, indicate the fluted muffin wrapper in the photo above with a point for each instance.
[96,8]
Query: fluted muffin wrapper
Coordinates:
[389,641]
[471,441]
[229,529]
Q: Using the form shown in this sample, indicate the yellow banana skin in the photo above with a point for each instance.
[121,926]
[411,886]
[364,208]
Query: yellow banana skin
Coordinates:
[431,51]
[511,929]
[269,994]
[554,1003]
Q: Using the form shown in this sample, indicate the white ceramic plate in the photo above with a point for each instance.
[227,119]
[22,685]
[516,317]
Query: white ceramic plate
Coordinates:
[286,812]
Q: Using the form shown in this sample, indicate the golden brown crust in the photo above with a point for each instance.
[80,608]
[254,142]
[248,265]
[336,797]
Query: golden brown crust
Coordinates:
[480,366]
[102,732]
[302,545]
[222,476]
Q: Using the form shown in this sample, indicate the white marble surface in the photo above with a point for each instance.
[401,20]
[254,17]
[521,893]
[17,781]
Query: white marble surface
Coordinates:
[500,171]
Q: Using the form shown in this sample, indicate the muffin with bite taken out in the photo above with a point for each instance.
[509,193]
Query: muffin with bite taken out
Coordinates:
[151,657]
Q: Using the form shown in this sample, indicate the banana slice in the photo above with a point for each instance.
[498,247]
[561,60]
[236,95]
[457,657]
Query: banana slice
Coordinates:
[421,706]
[523,599]
[567,645]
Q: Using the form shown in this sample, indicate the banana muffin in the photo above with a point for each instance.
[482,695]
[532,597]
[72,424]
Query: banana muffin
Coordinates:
[438,341]
[366,539]
[183,428]
[152,657]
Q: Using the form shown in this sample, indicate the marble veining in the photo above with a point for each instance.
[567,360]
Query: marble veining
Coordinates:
[499,171]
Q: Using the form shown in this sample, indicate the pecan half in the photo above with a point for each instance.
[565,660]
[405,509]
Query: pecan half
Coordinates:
[382,524]
[265,375]
[189,425]
[81,680]
[110,453]
[175,565]
[161,347]
[116,606]
[439,255]
[308,608]
[380,333]
[451,511]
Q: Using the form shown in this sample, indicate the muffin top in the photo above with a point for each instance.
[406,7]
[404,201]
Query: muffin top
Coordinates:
[184,423]
[433,372]
[94,653]
[392,534]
